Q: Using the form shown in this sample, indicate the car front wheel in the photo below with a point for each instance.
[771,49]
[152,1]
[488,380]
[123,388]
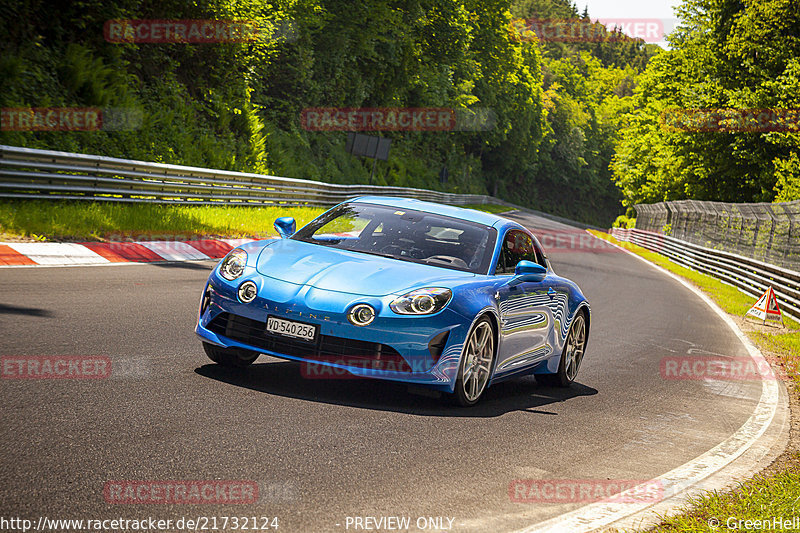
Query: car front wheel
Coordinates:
[232,357]
[476,364]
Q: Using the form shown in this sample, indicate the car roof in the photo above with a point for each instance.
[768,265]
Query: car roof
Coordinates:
[471,215]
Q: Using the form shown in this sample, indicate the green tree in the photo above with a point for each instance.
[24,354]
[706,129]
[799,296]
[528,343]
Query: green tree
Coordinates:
[725,55]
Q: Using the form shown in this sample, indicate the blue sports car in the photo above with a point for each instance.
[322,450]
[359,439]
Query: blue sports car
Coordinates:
[399,289]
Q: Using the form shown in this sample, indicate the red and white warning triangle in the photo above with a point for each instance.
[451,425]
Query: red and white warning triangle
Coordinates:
[766,308]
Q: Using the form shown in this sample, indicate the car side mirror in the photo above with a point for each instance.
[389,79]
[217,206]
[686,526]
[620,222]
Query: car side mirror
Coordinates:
[285,226]
[528,271]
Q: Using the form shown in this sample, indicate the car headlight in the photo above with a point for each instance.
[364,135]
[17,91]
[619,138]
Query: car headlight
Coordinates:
[422,302]
[233,265]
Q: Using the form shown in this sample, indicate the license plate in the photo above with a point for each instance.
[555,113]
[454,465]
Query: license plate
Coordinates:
[290,328]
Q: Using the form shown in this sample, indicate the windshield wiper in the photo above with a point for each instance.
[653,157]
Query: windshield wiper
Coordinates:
[380,254]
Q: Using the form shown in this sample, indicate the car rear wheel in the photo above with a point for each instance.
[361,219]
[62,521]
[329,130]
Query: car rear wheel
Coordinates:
[476,364]
[232,357]
[571,358]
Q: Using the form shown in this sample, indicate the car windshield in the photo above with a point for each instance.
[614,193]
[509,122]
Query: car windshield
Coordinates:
[404,234]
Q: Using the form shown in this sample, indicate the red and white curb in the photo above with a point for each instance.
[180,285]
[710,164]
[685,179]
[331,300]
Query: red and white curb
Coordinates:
[21,254]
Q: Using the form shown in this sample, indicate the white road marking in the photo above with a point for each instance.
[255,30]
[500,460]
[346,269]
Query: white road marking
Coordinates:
[235,242]
[56,253]
[174,250]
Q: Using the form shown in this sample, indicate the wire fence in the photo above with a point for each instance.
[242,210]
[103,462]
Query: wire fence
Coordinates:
[762,231]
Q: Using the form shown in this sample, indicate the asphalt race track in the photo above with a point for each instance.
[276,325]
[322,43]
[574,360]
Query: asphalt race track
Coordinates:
[324,450]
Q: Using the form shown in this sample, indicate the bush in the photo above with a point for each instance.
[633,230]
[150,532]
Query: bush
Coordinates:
[624,222]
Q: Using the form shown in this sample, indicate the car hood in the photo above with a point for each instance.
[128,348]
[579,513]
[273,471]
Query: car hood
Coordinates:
[332,269]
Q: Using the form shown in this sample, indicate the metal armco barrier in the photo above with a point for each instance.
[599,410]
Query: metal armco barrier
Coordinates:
[51,175]
[46,174]
[749,275]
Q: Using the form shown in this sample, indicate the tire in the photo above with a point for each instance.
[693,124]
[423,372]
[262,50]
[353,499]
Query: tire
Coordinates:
[572,356]
[229,357]
[476,364]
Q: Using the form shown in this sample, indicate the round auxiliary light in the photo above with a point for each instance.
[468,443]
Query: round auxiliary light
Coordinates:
[423,303]
[361,315]
[247,292]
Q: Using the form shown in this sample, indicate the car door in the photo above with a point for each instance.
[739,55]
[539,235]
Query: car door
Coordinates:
[526,308]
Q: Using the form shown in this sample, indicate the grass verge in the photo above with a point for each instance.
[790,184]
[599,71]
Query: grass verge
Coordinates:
[773,495]
[100,221]
[754,505]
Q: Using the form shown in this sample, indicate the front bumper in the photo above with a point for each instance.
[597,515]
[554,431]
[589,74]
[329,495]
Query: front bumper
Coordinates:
[424,350]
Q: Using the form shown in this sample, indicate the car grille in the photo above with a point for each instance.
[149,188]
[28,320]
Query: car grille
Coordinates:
[327,348]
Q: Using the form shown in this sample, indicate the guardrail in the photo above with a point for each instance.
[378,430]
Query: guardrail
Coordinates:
[748,275]
[51,175]
[47,174]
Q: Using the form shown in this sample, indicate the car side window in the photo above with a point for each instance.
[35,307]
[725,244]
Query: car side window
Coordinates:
[517,246]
